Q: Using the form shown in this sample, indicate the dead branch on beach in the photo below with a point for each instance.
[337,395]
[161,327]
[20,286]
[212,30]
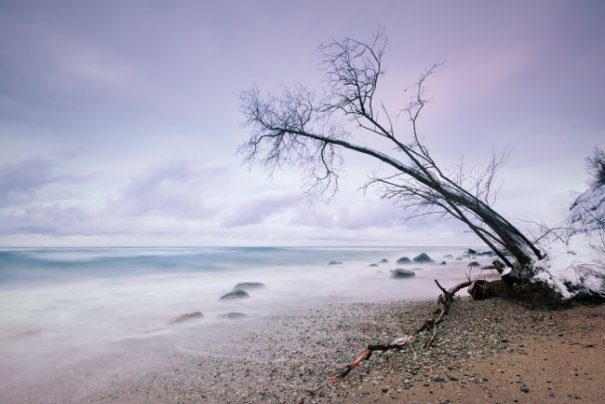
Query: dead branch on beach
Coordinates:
[444,300]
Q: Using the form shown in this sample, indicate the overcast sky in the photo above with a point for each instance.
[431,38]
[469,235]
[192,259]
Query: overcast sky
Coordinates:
[120,120]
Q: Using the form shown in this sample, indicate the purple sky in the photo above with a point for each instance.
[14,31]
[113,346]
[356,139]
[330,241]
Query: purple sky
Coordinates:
[119,120]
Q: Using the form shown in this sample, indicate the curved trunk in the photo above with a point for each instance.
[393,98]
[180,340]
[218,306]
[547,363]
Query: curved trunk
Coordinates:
[508,236]
[502,233]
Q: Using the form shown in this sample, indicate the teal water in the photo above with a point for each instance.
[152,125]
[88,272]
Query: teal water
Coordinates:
[64,264]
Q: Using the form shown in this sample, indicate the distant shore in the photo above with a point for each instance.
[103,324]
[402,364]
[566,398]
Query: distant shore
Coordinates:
[488,351]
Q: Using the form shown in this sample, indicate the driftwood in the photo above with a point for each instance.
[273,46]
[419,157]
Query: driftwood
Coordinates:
[397,343]
[479,289]
[445,300]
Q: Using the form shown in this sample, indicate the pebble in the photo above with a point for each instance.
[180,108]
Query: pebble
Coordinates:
[308,347]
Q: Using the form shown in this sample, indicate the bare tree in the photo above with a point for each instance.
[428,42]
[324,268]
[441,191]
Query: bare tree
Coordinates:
[588,210]
[296,129]
[596,167]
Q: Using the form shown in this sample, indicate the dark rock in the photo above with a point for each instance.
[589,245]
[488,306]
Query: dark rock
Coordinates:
[443,263]
[373,265]
[234,316]
[449,256]
[470,251]
[384,261]
[186,317]
[523,388]
[404,260]
[401,273]
[334,262]
[459,259]
[498,264]
[249,285]
[423,259]
[473,264]
[438,379]
[235,294]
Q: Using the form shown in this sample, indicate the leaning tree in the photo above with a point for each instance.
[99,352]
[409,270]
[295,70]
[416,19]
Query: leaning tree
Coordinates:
[298,129]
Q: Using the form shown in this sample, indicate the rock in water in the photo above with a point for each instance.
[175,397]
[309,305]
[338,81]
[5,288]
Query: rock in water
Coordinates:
[443,263]
[404,260]
[423,259]
[473,264]
[334,262]
[235,294]
[401,273]
[186,317]
[373,265]
[249,285]
[234,316]
[384,261]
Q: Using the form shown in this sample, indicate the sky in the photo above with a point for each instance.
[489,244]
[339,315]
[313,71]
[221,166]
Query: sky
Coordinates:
[120,121]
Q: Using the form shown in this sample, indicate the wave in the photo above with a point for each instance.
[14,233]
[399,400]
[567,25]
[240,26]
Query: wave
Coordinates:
[59,264]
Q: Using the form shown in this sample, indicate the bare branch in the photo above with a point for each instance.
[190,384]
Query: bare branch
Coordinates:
[296,131]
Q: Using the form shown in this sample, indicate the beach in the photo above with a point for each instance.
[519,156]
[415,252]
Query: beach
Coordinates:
[486,351]
[149,326]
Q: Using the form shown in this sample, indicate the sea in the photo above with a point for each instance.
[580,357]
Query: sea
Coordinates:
[61,307]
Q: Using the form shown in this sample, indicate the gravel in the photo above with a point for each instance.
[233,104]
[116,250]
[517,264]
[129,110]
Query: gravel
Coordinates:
[283,357]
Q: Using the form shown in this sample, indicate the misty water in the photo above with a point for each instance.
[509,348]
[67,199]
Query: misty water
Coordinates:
[65,309]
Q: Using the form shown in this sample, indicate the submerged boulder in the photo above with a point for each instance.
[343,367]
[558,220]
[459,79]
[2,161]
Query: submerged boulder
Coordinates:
[423,259]
[249,285]
[334,262]
[473,264]
[235,294]
[234,316]
[373,265]
[404,260]
[401,273]
[384,261]
[186,317]
[443,263]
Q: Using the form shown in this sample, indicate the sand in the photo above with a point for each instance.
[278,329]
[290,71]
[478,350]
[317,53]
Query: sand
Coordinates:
[491,351]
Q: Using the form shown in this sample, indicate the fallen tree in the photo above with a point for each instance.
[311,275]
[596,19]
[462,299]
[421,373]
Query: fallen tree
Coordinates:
[297,129]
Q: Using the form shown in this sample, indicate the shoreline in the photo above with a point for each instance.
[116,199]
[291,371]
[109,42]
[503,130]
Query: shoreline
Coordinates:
[484,352]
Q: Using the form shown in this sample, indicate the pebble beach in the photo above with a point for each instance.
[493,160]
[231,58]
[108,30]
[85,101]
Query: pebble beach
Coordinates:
[486,351]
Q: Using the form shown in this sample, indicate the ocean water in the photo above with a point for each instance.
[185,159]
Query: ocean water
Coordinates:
[63,307]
